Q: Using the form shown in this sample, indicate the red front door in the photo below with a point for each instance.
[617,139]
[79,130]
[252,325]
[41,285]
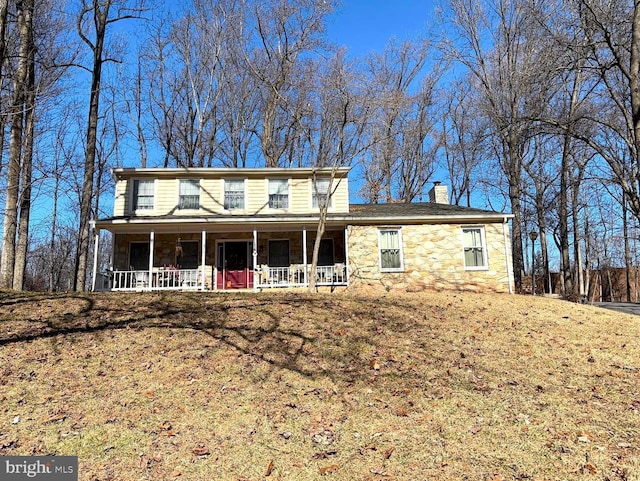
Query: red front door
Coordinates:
[234,271]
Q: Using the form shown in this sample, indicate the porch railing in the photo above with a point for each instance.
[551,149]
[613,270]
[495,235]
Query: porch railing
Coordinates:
[281,276]
[296,275]
[179,279]
[158,279]
[331,275]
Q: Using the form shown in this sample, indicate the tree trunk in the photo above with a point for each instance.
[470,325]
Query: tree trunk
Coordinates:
[268,141]
[516,247]
[322,220]
[634,85]
[24,14]
[627,249]
[54,221]
[82,253]
[4,4]
[27,170]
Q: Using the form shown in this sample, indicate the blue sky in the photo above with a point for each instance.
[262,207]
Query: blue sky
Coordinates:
[366,25]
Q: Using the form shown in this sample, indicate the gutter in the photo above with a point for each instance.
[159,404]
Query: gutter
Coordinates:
[331,219]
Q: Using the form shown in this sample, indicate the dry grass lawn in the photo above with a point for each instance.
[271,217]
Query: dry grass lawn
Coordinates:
[350,386]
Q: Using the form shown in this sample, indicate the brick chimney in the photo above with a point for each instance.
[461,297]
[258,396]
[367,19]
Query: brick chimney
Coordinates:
[439,194]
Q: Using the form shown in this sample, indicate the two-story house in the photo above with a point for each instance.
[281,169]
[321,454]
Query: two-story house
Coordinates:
[209,228]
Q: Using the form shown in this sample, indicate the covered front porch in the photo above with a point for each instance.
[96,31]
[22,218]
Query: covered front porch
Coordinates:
[224,259]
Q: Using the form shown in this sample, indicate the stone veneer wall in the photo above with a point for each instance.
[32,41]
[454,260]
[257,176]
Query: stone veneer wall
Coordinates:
[433,259]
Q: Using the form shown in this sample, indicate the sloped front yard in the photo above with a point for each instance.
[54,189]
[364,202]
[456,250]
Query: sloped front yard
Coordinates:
[193,386]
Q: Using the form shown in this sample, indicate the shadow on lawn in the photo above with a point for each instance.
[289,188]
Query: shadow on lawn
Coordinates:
[302,333]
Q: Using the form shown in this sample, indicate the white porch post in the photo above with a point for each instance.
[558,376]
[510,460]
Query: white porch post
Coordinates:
[203,271]
[254,252]
[96,244]
[346,254]
[304,255]
[152,237]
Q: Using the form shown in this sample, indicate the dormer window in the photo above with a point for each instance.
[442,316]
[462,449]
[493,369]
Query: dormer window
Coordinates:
[233,194]
[278,194]
[189,196]
[143,194]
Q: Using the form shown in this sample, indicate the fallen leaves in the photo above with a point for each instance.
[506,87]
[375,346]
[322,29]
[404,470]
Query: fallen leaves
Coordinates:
[55,418]
[166,429]
[201,450]
[324,437]
[387,453]
[475,429]
[269,469]
[585,437]
[402,412]
[329,469]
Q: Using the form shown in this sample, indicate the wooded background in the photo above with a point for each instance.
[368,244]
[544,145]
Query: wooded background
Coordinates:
[531,107]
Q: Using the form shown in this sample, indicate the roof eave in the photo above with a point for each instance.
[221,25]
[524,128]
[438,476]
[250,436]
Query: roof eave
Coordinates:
[332,218]
[125,172]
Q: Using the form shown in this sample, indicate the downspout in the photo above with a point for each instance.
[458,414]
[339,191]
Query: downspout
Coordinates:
[505,227]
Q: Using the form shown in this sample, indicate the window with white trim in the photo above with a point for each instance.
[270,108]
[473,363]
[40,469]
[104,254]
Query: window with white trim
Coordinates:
[320,189]
[233,194]
[475,252]
[143,194]
[278,194]
[390,247]
[189,194]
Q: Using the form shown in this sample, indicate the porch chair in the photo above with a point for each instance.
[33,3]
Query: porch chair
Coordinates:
[141,279]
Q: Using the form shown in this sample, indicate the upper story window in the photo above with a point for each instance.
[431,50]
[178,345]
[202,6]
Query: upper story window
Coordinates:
[278,194]
[189,194]
[143,194]
[233,194]
[390,245]
[320,192]
[475,252]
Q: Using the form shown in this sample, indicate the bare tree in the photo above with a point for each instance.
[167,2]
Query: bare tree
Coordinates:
[24,11]
[94,18]
[400,121]
[336,135]
[499,43]
[186,68]
[612,31]
[462,139]
[274,38]
[239,111]
[22,242]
